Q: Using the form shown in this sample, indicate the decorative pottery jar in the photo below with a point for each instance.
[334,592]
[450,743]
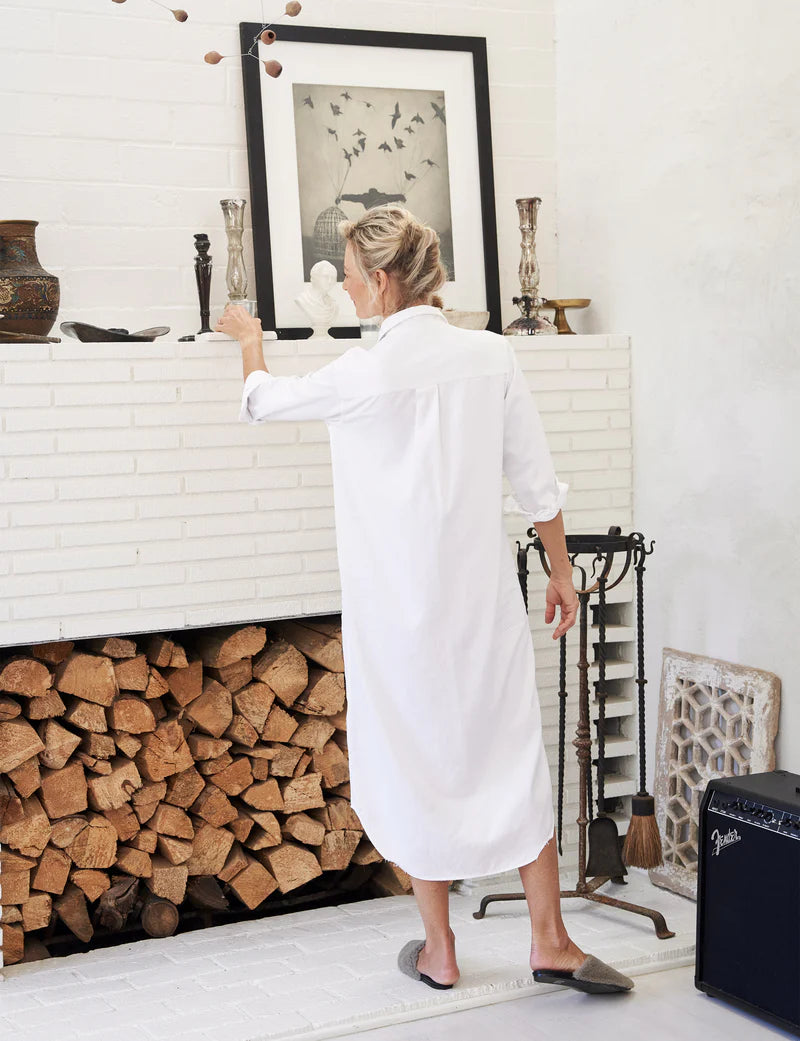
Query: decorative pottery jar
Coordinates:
[29,296]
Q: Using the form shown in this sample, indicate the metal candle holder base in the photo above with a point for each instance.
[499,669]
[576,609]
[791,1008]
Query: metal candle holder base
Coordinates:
[603,549]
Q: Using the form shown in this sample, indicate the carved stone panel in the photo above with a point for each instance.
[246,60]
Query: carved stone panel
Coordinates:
[715,719]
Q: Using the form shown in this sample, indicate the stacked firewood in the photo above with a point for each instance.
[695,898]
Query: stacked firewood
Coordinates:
[137,775]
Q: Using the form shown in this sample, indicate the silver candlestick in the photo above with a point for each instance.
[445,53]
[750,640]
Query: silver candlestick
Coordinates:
[531,323]
[235,275]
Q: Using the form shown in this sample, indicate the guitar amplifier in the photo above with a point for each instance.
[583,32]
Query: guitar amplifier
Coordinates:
[748,895]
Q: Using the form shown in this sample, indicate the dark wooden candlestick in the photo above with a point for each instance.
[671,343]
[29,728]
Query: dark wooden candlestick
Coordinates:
[202,272]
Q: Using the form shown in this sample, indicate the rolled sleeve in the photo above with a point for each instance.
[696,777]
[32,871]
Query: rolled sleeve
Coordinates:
[538,495]
[316,395]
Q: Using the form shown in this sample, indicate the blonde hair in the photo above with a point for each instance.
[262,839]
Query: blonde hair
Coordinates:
[394,240]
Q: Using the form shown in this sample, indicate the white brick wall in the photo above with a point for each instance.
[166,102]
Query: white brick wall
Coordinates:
[120,141]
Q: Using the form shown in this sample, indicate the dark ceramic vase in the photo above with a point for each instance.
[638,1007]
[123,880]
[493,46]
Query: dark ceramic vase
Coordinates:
[29,297]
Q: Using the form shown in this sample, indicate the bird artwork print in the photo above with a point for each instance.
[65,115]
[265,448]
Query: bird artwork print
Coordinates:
[407,162]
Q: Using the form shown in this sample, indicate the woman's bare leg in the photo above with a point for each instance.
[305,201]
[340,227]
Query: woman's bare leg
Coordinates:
[437,958]
[551,947]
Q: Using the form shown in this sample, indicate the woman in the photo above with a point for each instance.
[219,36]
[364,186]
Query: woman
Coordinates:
[448,771]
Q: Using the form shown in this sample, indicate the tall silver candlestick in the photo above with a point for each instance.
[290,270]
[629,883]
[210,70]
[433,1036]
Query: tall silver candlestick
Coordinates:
[531,323]
[235,275]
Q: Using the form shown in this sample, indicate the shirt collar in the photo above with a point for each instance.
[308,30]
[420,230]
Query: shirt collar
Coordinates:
[408,312]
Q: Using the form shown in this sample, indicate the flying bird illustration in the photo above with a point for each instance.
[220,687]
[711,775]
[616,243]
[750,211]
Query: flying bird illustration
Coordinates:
[386,147]
[362,143]
[408,130]
[346,96]
[308,101]
[374,198]
[430,162]
[348,156]
[417,119]
[438,113]
[410,176]
[356,151]
[368,104]
[336,110]
[359,133]
[332,131]
[396,114]
[399,142]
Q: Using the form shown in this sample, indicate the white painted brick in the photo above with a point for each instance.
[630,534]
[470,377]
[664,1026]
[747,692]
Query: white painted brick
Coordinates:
[115,394]
[71,465]
[599,399]
[26,490]
[600,439]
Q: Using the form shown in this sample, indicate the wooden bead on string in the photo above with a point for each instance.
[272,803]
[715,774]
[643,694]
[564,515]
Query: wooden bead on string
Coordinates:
[293,8]
[273,68]
[213,58]
[268,36]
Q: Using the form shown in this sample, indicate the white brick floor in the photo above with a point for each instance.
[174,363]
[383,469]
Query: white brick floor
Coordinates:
[318,974]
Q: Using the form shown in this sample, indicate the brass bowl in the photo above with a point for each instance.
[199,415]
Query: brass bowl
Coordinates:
[561,306]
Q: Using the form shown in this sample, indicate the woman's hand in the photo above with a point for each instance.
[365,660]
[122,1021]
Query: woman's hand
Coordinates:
[561,592]
[237,322]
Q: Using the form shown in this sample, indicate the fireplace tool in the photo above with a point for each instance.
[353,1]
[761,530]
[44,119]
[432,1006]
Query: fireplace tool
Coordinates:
[605,862]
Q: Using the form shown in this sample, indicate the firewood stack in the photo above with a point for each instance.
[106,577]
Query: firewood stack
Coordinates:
[137,775]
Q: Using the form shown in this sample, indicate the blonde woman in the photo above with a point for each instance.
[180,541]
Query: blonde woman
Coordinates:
[448,770]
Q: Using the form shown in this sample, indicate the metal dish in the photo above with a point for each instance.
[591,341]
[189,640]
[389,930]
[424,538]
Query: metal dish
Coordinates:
[94,334]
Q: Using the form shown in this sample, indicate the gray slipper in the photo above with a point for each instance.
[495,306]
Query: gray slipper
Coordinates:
[592,976]
[407,963]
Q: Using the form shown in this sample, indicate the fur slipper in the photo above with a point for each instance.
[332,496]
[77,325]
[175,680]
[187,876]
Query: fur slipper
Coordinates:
[407,963]
[592,976]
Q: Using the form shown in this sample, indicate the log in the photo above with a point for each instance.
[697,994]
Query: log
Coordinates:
[242,731]
[59,744]
[47,706]
[302,793]
[132,715]
[254,703]
[236,778]
[9,709]
[133,861]
[64,791]
[159,916]
[228,644]
[92,883]
[214,806]
[254,884]
[30,833]
[25,676]
[18,742]
[205,892]
[324,695]
[291,865]
[13,943]
[168,880]
[113,791]
[126,823]
[185,682]
[172,820]
[132,674]
[212,711]
[284,669]
[164,752]
[95,845]
[234,676]
[324,650]
[184,788]
[52,653]
[52,871]
[117,902]
[26,777]
[112,646]
[71,909]
[86,715]
[36,911]
[337,849]
[87,676]
[209,850]
[312,733]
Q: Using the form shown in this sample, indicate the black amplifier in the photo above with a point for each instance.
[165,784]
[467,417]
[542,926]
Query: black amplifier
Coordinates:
[748,895]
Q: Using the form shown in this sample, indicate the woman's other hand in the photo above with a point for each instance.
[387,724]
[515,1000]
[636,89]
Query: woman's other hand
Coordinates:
[237,322]
[561,593]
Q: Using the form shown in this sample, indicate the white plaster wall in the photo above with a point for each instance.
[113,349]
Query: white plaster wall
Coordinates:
[679,214]
[119,139]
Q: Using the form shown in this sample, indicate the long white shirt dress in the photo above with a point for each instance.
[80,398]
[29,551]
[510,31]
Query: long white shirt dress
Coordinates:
[448,770]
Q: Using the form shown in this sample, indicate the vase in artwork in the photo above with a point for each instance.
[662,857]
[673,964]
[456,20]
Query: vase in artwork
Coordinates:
[29,296]
[235,275]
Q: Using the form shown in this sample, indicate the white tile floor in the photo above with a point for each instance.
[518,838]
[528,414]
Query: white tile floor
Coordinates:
[332,973]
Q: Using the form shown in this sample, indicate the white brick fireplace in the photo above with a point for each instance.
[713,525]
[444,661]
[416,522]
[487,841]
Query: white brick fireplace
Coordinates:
[133,500]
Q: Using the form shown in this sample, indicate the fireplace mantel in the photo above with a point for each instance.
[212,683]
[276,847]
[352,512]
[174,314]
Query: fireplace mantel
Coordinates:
[135,501]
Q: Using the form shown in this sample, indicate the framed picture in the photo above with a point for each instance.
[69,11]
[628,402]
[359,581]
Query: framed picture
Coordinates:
[359,119]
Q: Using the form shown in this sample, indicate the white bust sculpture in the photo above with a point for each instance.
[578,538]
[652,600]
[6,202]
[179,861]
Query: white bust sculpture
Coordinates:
[317,301]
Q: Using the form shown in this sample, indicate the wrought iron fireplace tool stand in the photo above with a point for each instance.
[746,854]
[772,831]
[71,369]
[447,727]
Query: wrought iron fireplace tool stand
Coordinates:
[603,549]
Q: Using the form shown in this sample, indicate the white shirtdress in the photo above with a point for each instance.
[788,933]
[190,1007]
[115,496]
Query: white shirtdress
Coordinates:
[448,770]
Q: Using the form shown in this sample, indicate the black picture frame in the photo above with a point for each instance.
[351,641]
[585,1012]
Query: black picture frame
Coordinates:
[254,78]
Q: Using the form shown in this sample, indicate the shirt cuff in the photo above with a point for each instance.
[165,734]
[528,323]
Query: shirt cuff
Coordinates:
[255,379]
[546,512]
